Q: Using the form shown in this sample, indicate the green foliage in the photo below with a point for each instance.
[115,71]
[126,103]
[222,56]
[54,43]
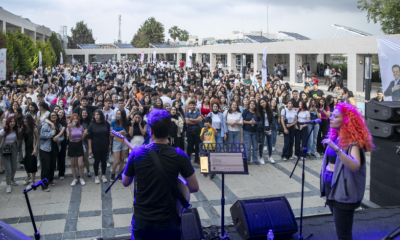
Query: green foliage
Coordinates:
[376,77]
[386,12]
[17,51]
[150,31]
[81,34]
[49,57]
[174,32]
[56,44]
[342,66]
[184,36]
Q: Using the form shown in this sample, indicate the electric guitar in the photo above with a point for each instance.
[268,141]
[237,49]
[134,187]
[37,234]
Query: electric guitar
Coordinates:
[182,187]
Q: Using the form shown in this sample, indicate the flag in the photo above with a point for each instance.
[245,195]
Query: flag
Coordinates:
[189,59]
[61,58]
[389,63]
[154,56]
[72,59]
[142,57]
[264,66]
[40,59]
[3,64]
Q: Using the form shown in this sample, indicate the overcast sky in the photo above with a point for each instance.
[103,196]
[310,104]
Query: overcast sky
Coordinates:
[205,18]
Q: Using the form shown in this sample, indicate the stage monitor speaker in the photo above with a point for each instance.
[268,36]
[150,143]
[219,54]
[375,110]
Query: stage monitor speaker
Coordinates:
[8,232]
[383,129]
[255,217]
[385,172]
[191,225]
[384,111]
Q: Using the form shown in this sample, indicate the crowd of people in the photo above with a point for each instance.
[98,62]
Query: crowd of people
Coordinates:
[73,108]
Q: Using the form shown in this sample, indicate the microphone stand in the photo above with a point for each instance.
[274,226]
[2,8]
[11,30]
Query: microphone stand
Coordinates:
[119,174]
[26,190]
[303,154]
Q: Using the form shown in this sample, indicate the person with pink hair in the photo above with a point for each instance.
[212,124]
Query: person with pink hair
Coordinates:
[343,173]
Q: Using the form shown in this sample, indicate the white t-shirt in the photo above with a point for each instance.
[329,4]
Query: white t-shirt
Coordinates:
[166,100]
[42,117]
[302,116]
[216,121]
[289,115]
[10,137]
[266,120]
[109,116]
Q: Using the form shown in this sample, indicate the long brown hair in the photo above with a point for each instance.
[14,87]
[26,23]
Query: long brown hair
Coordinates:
[78,123]
[7,128]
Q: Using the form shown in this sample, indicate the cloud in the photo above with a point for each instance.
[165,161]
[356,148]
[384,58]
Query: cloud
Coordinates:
[204,18]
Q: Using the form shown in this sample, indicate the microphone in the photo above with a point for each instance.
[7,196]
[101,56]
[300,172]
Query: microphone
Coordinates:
[316,121]
[39,183]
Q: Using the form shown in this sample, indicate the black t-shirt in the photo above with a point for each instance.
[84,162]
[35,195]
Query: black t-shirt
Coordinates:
[296,103]
[100,135]
[154,201]
[160,75]
[314,94]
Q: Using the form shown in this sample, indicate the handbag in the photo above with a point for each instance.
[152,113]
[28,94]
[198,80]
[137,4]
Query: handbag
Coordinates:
[6,150]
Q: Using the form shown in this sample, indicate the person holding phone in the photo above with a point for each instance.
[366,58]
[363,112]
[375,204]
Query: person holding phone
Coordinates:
[314,114]
[207,135]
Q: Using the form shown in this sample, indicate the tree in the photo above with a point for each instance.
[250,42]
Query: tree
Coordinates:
[150,31]
[49,57]
[17,51]
[56,44]
[81,34]
[386,12]
[184,36]
[174,32]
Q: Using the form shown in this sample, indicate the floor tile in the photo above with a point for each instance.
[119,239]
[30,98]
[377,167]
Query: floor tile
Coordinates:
[89,223]
[51,227]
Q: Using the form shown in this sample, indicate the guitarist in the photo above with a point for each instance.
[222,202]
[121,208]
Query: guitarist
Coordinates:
[155,215]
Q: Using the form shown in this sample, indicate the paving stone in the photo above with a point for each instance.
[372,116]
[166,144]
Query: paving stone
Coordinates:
[89,223]
[122,220]
[51,227]
[88,233]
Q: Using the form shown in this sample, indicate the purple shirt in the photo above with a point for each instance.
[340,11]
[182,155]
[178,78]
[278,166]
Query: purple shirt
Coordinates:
[76,133]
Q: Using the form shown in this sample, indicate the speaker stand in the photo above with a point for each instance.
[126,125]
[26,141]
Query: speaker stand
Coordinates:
[223,234]
[303,154]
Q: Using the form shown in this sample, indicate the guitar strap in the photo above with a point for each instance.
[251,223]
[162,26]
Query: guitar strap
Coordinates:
[162,176]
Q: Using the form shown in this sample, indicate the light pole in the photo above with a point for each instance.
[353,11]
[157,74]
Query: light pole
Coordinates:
[367,75]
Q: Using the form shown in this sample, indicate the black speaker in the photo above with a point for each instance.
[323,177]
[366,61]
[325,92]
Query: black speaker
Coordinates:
[383,129]
[8,232]
[385,111]
[255,217]
[191,225]
[385,172]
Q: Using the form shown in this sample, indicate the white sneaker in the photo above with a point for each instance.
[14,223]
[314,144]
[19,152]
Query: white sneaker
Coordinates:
[8,189]
[273,148]
[82,182]
[270,160]
[91,156]
[38,163]
[61,178]
[284,159]
[104,179]
[108,164]
[265,148]
[21,166]
[74,182]
[27,180]
[292,158]
[261,160]
[14,183]
[96,180]
[281,135]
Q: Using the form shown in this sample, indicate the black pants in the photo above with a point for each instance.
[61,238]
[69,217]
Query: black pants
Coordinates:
[300,136]
[343,218]
[167,229]
[287,150]
[61,158]
[100,155]
[193,139]
[323,131]
[48,162]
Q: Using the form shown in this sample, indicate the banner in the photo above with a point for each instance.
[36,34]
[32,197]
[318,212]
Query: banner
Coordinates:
[389,63]
[264,66]
[40,59]
[3,64]
[189,59]
[72,59]
[61,58]
[154,57]
[142,57]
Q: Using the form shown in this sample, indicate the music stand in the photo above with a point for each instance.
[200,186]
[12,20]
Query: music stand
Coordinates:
[223,158]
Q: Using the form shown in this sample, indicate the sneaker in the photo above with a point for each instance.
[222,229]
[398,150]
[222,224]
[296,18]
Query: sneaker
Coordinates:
[270,160]
[265,148]
[74,182]
[257,163]
[90,156]
[205,175]
[112,178]
[108,164]
[27,180]
[82,182]
[38,163]
[313,155]
[21,166]
[213,176]
[14,183]
[2,172]
[52,183]
[281,135]
[292,157]
[96,180]
[8,189]
[273,148]
[248,163]
[104,179]
[61,178]
[284,159]
[261,160]
[89,175]
[46,189]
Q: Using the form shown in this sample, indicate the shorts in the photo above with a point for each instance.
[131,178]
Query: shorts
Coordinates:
[118,146]
[75,149]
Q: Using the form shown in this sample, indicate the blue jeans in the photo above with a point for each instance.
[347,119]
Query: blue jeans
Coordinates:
[233,137]
[312,142]
[274,132]
[219,139]
[166,229]
[250,141]
[267,141]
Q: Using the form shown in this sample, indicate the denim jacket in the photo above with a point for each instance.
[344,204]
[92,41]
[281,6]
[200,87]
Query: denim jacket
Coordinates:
[46,136]
[224,129]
